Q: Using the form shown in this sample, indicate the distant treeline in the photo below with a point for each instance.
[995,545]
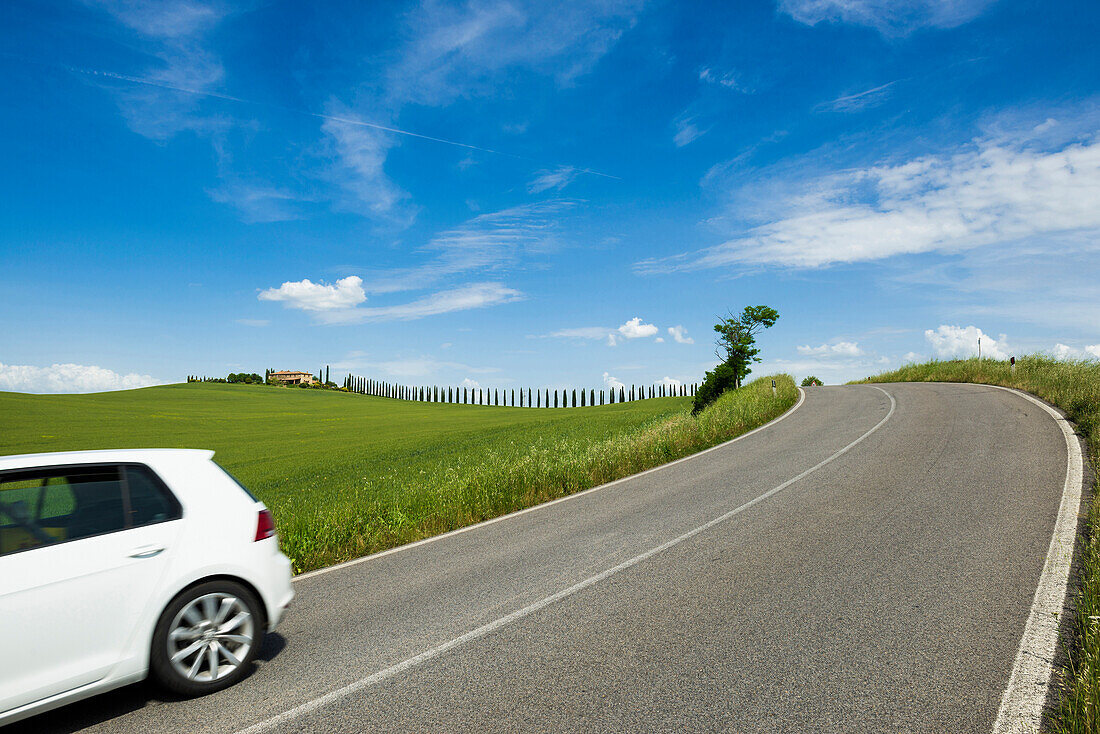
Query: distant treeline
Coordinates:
[515,398]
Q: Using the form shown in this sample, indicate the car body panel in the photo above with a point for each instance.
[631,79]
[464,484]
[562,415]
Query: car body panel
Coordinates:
[91,629]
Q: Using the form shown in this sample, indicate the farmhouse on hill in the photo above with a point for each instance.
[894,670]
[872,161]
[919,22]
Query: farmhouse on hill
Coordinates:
[292,377]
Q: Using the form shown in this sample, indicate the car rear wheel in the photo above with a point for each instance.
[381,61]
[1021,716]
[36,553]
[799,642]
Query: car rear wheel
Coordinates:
[206,638]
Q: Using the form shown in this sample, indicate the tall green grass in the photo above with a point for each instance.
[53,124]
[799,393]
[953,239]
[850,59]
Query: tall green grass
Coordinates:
[1075,388]
[346,475]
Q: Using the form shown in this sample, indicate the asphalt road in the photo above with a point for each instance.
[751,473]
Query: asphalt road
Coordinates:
[885,590]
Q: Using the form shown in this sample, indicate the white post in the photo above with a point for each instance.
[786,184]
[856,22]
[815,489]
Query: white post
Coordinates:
[773,388]
[979,349]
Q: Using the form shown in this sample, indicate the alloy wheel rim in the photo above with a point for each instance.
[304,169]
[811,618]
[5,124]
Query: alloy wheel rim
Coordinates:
[210,637]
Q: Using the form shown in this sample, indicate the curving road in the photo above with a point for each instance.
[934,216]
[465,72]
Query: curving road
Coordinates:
[866,563]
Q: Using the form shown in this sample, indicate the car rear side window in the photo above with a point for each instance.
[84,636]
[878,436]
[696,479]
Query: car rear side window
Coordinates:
[40,507]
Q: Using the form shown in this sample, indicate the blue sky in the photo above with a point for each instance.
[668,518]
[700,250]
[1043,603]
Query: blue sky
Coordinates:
[546,195]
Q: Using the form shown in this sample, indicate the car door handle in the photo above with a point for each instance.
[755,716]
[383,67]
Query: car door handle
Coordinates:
[146,551]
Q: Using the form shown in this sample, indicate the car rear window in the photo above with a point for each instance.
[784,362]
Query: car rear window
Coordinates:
[237,482]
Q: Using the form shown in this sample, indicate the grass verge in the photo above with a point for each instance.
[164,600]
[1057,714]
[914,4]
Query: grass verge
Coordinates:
[1075,388]
[346,475]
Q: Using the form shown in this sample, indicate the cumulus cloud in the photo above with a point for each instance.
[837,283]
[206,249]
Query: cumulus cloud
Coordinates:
[679,333]
[68,378]
[957,341]
[912,358]
[837,349]
[992,192]
[1066,352]
[308,296]
[669,382]
[635,329]
[467,382]
[612,383]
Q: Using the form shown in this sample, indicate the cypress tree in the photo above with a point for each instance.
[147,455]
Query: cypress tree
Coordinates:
[496,397]
[622,394]
[582,398]
[514,396]
[555,398]
[592,397]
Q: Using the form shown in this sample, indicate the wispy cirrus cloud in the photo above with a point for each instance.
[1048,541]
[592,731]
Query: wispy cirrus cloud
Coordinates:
[488,243]
[995,191]
[463,298]
[889,17]
[557,179]
[860,100]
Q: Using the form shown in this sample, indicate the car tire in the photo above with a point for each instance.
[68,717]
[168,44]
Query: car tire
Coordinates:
[206,638]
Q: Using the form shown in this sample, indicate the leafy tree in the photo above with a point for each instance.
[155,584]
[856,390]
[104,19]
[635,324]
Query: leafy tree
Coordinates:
[736,347]
[736,343]
[811,381]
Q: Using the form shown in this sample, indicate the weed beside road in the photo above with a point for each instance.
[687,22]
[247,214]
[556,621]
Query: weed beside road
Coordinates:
[1075,388]
[346,474]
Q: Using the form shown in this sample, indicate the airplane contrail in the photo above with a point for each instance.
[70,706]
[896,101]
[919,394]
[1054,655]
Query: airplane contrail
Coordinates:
[318,115]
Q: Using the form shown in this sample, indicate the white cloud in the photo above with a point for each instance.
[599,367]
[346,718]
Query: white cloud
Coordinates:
[686,132]
[612,383]
[258,202]
[995,192]
[632,329]
[463,298]
[889,17]
[308,296]
[837,349]
[582,332]
[861,100]
[487,242]
[957,341]
[1062,351]
[913,358]
[68,378]
[458,50]
[635,329]
[1066,352]
[359,155]
[557,179]
[406,367]
[679,333]
[467,382]
[728,79]
[669,382]
[660,340]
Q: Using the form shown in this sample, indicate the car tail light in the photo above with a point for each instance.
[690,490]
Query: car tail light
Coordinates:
[265,525]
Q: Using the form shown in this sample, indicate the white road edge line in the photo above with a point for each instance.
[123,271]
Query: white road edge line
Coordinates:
[517,513]
[1022,704]
[530,609]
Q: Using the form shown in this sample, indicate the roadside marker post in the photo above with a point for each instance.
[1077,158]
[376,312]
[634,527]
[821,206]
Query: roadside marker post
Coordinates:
[1012,361]
[773,388]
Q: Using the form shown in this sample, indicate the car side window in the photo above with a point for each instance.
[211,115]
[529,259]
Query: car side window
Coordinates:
[40,507]
[150,502]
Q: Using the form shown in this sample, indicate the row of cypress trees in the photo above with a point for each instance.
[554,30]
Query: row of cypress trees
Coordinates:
[521,398]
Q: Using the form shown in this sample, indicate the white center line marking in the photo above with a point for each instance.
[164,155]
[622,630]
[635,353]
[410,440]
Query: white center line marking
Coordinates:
[530,609]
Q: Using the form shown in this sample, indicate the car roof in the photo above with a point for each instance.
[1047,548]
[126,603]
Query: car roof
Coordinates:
[141,456]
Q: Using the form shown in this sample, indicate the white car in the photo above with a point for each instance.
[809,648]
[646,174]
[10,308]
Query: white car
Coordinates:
[115,565]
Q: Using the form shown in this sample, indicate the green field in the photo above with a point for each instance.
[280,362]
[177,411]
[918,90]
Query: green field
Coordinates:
[1075,388]
[347,474]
